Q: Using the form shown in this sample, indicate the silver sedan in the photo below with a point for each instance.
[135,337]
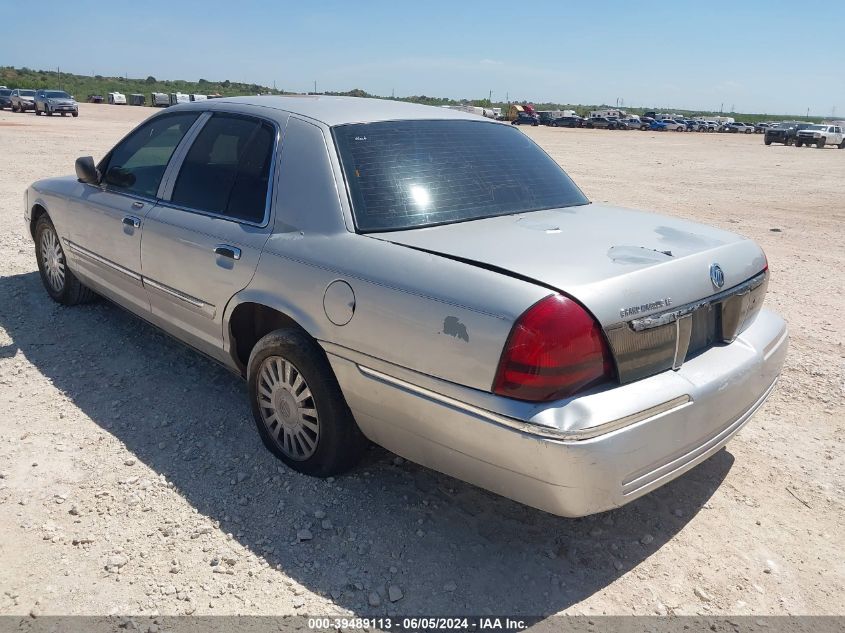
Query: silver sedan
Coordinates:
[425,279]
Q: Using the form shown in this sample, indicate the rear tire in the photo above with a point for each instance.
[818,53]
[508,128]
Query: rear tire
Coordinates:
[299,409]
[767,141]
[61,284]
[841,145]
[798,143]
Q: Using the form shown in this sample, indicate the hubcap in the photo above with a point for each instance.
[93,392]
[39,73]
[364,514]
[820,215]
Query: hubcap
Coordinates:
[53,259]
[288,408]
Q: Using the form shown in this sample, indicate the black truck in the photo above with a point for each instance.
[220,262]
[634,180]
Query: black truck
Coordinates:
[784,132]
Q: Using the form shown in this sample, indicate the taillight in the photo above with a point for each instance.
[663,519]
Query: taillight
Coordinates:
[554,350]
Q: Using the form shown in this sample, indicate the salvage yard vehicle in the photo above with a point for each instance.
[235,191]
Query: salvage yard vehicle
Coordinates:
[51,102]
[567,121]
[5,98]
[159,99]
[675,126]
[321,248]
[739,127]
[784,132]
[820,135]
[600,122]
[22,100]
[524,118]
[117,98]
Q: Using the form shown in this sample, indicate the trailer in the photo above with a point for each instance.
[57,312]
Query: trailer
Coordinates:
[159,99]
[117,98]
[137,100]
[198,97]
[178,97]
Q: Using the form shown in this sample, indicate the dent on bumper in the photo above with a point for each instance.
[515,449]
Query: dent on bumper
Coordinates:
[715,394]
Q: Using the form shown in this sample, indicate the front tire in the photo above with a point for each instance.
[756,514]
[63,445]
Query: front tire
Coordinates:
[299,409]
[820,143]
[61,284]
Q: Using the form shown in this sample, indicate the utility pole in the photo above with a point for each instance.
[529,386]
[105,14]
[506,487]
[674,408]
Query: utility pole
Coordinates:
[490,98]
[315,86]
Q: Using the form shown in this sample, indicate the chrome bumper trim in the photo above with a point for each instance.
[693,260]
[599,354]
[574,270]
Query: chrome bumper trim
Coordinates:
[527,427]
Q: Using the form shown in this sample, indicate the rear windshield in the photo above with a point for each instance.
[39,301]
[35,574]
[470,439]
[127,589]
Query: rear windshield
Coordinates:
[408,174]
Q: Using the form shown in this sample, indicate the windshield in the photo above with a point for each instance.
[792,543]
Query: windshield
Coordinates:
[409,174]
[816,127]
[5,93]
[27,93]
[56,94]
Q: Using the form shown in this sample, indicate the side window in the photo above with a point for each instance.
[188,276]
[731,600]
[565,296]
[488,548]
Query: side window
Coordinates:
[227,169]
[137,165]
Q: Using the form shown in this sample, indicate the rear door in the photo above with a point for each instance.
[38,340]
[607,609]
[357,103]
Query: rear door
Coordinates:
[105,234]
[202,242]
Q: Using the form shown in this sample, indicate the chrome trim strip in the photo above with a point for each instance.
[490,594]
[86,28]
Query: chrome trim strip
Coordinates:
[79,250]
[528,427]
[197,303]
[670,316]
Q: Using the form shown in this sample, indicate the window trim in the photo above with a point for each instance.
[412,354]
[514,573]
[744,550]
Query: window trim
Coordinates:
[103,185]
[176,165]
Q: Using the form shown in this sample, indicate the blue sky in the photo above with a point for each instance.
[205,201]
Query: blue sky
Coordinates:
[750,54]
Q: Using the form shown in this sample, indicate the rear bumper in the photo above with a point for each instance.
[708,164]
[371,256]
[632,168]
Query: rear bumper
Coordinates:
[668,423]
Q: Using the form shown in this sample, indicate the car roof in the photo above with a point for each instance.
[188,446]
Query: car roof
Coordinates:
[342,110]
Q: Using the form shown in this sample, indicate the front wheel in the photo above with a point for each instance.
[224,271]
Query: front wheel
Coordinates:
[299,409]
[798,143]
[767,141]
[820,143]
[75,114]
[37,111]
[61,284]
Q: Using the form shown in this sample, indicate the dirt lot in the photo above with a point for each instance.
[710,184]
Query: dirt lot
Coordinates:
[133,480]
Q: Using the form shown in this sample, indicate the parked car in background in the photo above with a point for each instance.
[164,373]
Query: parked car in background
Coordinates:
[5,98]
[820,135]
[575,370]
[567,121]
[526,119]
[738,127]
[600,122]
[712,126]
[117,98]
[760,128]
[95,99]
[675,126]
[22,100]
[691,125]
[630,123]
[784,132]
[52,102]
[657,126]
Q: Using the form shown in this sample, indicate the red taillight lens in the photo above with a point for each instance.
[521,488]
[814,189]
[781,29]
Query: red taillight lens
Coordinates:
[554,350]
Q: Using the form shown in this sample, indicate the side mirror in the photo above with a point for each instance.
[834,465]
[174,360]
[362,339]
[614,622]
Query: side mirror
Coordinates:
[86,171]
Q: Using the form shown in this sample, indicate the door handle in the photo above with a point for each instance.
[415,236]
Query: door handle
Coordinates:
[137,205]
[224,250]
[131,220]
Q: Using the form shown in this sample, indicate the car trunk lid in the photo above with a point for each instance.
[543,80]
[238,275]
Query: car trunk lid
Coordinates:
[646,278]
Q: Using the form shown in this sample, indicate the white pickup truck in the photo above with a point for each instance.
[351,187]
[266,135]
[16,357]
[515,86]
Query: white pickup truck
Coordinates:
[821,135]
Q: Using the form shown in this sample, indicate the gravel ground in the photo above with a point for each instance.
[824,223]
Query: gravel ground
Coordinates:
[133,481]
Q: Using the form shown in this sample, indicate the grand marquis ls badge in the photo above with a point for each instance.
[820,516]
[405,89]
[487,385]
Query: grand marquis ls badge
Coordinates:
[717,276]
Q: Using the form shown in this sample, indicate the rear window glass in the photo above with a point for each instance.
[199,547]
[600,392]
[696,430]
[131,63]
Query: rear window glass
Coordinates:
[408,174]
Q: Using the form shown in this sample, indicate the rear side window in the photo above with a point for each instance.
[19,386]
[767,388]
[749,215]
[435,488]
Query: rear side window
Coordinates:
[227,169]
[407,174]
[137,164]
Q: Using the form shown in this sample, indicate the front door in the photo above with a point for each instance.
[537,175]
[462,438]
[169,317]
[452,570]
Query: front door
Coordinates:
[202,242]
[105,242]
